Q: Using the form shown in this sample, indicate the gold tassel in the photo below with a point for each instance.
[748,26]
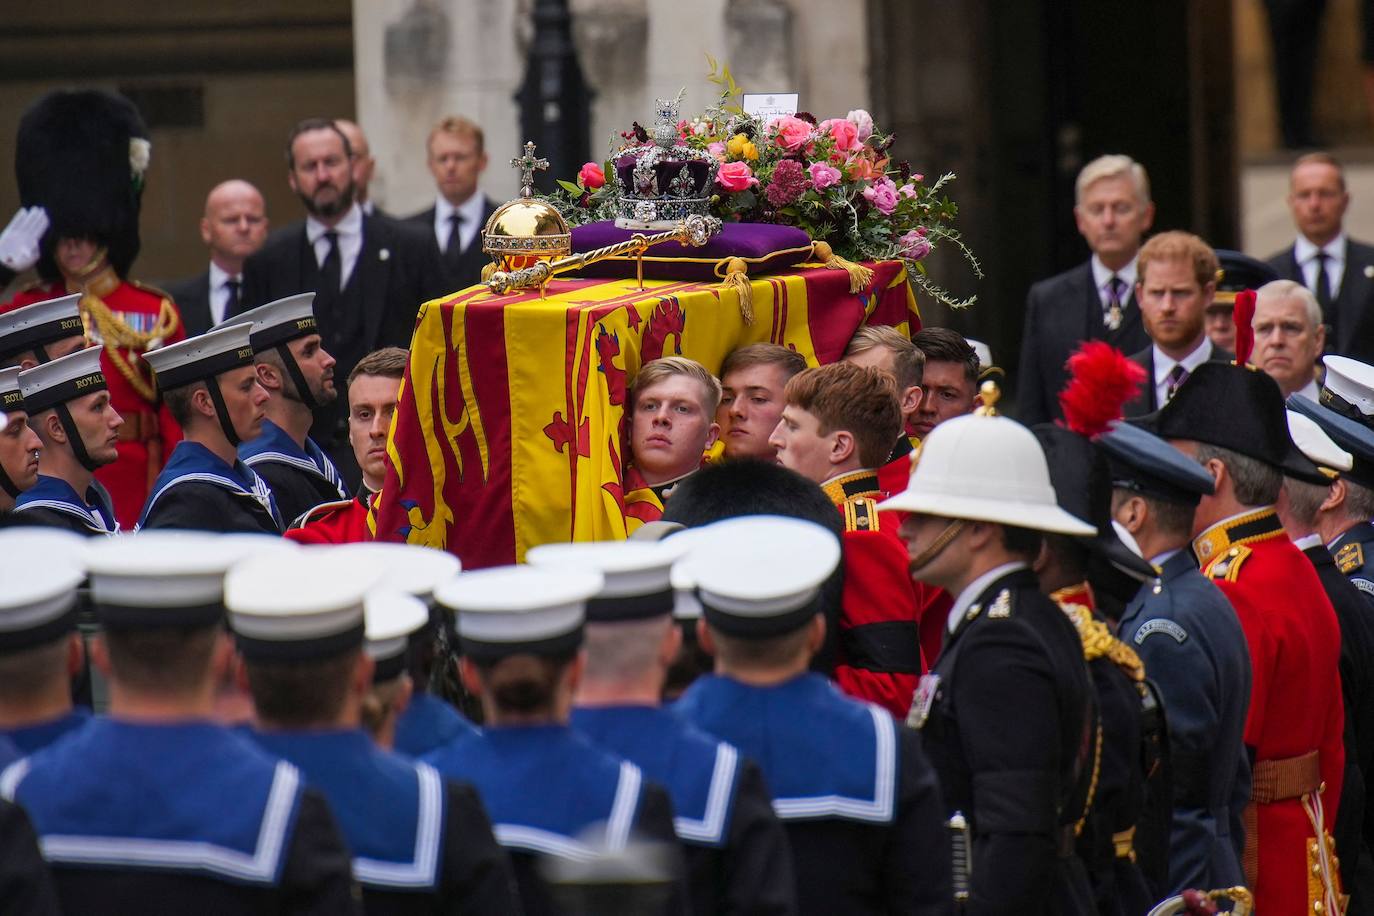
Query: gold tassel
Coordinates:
[737,278]
[859,276]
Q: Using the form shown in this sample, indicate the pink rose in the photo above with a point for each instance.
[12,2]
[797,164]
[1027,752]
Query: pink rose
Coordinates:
[914,245]
[736,176]
[845,134]
[591,176]
[792,133]
[907,190]
[862,121]
[823,176]
[716,149]
[882,194]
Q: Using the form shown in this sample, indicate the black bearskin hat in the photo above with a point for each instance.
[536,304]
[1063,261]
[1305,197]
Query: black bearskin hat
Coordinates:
[81,155]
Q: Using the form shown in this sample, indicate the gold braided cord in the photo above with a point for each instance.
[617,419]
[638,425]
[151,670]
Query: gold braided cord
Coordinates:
[115,334]
[1098,641]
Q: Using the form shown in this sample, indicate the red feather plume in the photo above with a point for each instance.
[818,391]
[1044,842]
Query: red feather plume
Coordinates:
[1243,315]
[1101,380]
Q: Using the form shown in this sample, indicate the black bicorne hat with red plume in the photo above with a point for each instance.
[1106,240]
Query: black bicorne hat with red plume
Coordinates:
[82,155]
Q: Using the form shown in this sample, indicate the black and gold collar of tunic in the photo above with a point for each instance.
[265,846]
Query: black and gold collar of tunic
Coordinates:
[1260,525]
[856,484]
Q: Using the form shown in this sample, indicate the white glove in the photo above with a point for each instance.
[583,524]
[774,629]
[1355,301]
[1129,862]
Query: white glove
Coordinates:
[19,241]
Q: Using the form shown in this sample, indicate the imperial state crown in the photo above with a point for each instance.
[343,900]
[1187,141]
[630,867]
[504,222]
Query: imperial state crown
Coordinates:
[663,182]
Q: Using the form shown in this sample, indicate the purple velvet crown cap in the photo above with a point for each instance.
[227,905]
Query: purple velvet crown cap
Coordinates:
[664,173]
[765,247]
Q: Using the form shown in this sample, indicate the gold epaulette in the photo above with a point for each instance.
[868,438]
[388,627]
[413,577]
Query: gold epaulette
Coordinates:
[316,512]
[150,288]
[1098,642]
[1350,558]
[1225,567]
[860,514]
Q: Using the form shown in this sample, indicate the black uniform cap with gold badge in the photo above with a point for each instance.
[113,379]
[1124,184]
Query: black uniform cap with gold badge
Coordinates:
[759,576]
[1238,272]
[637,576]
[518,610]
[33,328]
[38,603]
[201,359]
[51,385]
[391,619]
[275,325]
[299,606]
[158,580]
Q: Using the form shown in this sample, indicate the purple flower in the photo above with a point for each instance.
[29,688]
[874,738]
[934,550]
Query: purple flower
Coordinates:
[882,194]
[789,183]
[914,245]
[823,175]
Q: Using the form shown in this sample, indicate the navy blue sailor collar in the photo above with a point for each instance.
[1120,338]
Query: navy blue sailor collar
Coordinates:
[192,462]
[276,445]
[56,494]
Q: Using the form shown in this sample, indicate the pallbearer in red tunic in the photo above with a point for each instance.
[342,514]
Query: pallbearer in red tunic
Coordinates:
[839,423]
[82,156]
[1232,420]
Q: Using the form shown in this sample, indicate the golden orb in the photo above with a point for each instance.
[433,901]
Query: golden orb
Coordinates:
[524,231]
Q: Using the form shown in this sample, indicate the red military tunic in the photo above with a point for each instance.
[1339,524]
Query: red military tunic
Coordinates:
[149,433]
[341,522]
[1295,706]
[879,657]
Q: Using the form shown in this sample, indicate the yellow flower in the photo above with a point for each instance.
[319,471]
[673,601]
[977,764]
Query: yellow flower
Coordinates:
[736,144]
[751,152]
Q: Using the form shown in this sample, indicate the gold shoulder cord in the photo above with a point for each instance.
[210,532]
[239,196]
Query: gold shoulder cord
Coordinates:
[115,334]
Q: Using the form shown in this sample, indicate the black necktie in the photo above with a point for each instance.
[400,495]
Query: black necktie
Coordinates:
[1322,288]
[231,304]
[331,271]
[454,249]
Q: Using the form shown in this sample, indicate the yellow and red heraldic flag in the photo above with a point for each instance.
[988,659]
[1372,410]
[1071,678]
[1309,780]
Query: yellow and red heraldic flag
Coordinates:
[510,429]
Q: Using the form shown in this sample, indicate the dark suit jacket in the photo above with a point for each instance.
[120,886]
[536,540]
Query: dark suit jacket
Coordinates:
[1061,312]
[192,298]
[467,270]
[397,271]
[1148,402]
[1351,318]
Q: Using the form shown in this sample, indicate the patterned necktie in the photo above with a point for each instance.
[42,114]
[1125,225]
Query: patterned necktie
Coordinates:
[1111,312]
[1176,377]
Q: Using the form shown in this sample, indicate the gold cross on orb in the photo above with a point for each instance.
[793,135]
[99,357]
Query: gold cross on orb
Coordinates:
[527,164]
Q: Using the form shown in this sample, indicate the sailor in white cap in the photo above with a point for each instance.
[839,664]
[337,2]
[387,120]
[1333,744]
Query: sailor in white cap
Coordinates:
[19,444]
[153,804]
[428,721]
[549,790]
[1008,712]
[40,649]
[857,796]
[41,332]
[738,860]
[298,375]
[419,845]
[69,406]
[1348,388]
[393,621]
[211,388]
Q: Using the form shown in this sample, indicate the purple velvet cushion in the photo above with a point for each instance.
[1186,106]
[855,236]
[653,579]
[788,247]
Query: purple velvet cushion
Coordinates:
[763,246]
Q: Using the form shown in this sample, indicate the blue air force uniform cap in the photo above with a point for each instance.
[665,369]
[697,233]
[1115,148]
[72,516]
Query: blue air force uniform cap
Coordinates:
[390,619]
[517,610]
[759,576]
[1350,435]
[292,606]
[1143,463]
[35,327]
[38,602]
[155,580]
[637,576]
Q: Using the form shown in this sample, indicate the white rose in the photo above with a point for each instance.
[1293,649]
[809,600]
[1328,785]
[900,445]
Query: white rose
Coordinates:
[140,154]
[863,121]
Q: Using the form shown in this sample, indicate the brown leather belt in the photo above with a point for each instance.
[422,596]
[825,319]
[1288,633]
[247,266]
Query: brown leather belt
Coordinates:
[139,426]
[1288,777]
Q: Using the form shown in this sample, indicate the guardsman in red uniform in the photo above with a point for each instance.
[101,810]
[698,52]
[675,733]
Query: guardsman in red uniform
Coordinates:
[82,155]
[1231,419]
[839,423]
[373,386]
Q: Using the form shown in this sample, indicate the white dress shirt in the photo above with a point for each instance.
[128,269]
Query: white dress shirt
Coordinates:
[470,210]
[1102,276]
[975,588]
[1165,364]
[1311,392]
[1306,255]
[350,230]
[219,292]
